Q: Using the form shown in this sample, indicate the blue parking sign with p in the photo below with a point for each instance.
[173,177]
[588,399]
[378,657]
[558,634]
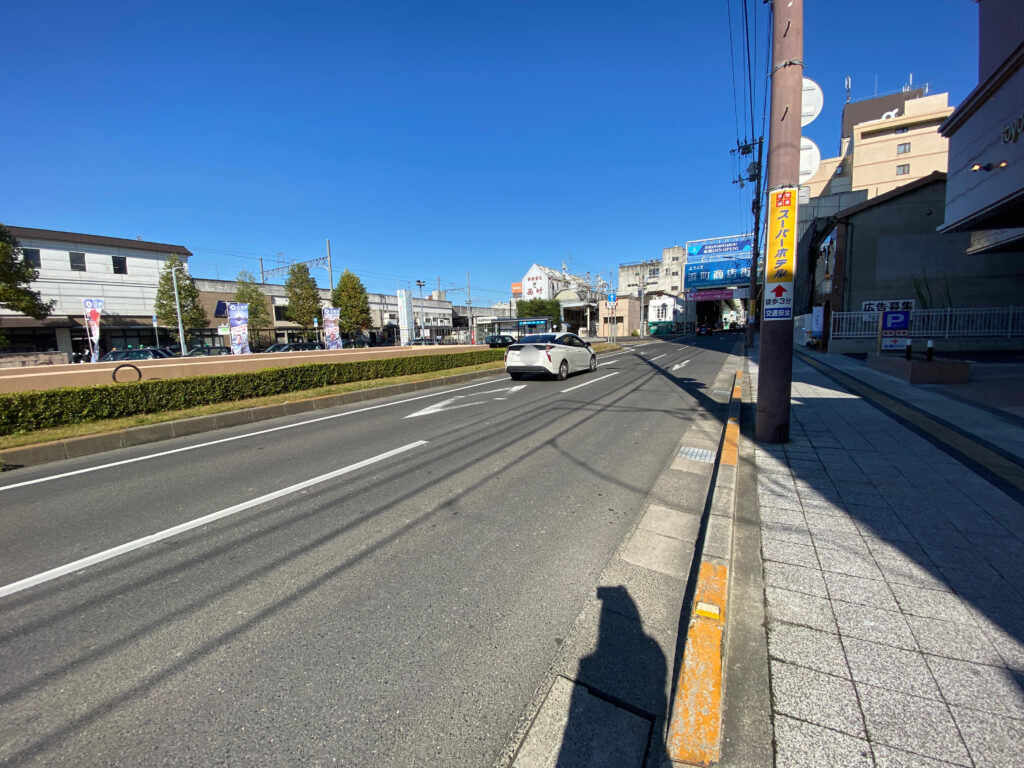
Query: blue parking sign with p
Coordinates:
[895,321]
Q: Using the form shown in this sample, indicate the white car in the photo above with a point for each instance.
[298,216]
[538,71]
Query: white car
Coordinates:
[554,354]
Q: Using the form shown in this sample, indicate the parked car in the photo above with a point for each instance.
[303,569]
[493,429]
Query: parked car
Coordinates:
[295,346]
[704,330]
[131,354]
[499,340]
[554,354]
[208,351]
[162,351]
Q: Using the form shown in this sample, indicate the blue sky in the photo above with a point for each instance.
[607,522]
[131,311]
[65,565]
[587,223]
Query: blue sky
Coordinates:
[425,139]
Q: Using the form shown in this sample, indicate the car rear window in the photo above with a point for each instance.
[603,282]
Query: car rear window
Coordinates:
[538,338]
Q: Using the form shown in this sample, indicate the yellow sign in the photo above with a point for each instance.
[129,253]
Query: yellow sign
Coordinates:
[780,259]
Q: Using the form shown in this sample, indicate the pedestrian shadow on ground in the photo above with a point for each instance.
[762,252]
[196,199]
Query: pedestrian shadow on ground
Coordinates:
[618,704]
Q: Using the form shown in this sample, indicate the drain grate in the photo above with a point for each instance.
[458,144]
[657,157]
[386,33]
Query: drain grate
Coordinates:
[697,454]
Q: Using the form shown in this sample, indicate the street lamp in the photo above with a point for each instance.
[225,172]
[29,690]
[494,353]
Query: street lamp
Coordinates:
[423,324]
[177,307]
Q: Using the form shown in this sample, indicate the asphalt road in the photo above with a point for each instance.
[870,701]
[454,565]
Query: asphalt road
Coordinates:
[380,585]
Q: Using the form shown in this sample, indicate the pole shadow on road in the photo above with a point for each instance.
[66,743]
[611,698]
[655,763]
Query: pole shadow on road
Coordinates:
[618,704]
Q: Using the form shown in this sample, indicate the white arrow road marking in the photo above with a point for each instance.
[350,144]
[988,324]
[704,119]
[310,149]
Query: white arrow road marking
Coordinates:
[131,546]
[677,366]
[450,403]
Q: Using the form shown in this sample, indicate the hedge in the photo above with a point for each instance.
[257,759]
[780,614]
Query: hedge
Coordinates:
[28,411]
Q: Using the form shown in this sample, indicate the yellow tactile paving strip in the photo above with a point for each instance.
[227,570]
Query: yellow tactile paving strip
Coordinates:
[695,728]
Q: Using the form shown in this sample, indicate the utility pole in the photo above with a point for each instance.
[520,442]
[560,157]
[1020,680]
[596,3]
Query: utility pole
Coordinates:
[469,308]
[775,375]
[752,304]
[330,269]
[423,323]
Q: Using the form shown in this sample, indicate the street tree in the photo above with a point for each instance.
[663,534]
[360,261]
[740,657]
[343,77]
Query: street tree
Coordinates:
[549,308]
[303,296]
[349,295]
[193,316]
[16,276]
[247,291]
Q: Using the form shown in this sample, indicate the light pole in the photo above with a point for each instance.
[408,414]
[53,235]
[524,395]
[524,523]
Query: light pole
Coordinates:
[423,324]
[177,307]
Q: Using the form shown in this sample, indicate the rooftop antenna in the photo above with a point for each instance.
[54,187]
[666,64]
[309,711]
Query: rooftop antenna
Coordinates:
[847,89]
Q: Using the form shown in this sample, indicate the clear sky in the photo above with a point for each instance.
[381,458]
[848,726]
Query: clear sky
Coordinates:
[424,139]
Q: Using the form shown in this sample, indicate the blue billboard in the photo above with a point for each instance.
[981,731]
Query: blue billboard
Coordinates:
[717,274]
[714,248]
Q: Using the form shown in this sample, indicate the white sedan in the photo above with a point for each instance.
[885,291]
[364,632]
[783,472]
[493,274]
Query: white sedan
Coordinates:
[554,354]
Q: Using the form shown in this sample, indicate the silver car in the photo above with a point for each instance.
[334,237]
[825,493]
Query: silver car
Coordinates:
[553,354]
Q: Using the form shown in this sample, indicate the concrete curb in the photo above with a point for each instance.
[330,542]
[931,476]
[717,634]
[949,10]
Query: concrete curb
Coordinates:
[695,723]
[75,447]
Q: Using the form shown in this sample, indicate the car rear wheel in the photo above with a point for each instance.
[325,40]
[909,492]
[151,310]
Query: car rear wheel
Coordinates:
[563,370]
[593,363]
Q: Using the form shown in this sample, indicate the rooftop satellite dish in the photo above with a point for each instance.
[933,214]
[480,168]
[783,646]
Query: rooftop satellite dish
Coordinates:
[811,101]
[810,159]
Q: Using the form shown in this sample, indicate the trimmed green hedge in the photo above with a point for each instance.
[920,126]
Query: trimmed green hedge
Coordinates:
[28,411]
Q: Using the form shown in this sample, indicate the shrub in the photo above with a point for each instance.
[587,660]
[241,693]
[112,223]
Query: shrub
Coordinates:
[28,411]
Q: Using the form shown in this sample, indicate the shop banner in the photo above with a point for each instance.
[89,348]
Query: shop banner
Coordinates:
[714,248]
[331,333]
[780,262]
[238,322]
[717,274]
[93,309]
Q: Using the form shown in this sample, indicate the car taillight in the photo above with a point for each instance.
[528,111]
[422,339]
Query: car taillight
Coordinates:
[506,354]
[547,351]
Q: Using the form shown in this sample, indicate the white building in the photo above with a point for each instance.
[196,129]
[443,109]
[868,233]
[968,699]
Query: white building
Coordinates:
[72,266]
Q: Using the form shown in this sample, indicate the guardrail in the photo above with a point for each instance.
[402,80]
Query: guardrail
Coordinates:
[948,323]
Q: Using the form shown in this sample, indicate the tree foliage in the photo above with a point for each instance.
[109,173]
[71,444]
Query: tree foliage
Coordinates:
[247,291]
[193,316]
[303,296]
[16,275]
[349,295]
[549,308]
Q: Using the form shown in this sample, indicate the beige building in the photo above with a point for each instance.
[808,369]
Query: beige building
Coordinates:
[623,321]
[877,155]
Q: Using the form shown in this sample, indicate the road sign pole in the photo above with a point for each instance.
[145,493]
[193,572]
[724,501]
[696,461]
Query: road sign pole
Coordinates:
[775,371]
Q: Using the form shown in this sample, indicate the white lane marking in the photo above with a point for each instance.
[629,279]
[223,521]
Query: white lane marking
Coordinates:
[677,366]
[447,405]
[657,358]
[109,554]
[238,437]
[591,381]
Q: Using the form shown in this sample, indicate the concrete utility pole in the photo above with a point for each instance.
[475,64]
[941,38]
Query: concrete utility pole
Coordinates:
[775,375]
[330,269]
[752,305]
[423,322]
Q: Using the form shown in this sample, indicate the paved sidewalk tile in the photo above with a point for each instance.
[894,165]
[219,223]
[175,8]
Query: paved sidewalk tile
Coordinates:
[816,698]
[895,624]
[803,745]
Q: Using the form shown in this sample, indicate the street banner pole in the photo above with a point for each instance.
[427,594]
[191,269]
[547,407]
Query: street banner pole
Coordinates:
[775,372]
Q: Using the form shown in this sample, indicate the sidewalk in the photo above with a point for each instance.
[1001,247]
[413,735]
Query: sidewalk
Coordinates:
[893,579]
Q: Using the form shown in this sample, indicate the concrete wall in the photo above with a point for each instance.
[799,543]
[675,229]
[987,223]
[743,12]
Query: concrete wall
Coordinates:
[21,379]
[895,242]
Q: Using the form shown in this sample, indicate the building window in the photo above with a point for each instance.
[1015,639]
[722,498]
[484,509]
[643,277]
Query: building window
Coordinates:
[120,264]
[904,129]
[654,272]
[279,313]
[32,257]
[902,149]
[903,170]
[839,170]
[77,261]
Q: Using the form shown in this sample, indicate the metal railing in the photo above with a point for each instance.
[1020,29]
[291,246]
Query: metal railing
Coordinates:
[936,323]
